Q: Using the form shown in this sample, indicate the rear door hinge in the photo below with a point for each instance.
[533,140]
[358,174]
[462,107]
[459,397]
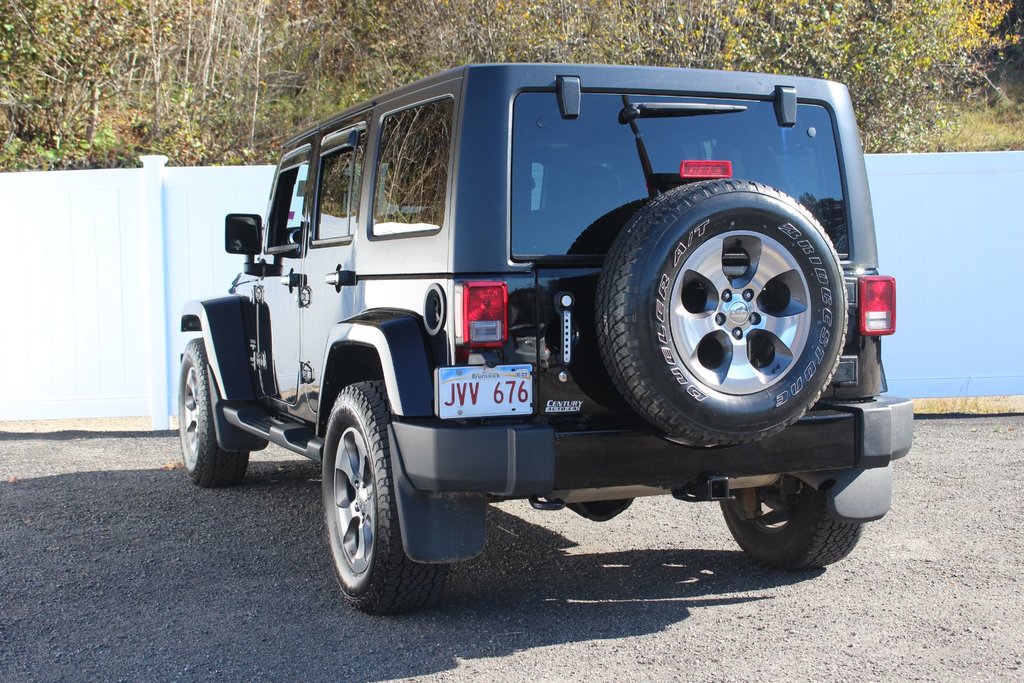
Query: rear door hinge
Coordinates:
[565,302]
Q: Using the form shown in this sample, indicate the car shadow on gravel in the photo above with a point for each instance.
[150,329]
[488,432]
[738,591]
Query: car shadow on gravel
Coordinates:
[139,575]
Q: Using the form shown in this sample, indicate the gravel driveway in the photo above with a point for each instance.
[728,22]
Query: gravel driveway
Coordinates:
[112,568]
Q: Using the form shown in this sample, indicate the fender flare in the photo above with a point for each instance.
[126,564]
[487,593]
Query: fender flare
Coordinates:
[222,324]
[399,340]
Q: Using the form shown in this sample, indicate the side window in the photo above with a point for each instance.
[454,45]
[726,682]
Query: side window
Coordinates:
[341,172]
[412,176]
[288,207]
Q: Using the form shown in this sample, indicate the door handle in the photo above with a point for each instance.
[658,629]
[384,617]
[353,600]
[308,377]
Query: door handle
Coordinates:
[293,280]
[339,278]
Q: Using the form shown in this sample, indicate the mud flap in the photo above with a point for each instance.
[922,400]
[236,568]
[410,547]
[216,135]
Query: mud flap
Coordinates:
[438,528]
[860,495]
[230,437]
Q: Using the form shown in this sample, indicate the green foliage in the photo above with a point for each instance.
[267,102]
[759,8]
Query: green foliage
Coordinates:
[59,62]
[98,82]
[904,61]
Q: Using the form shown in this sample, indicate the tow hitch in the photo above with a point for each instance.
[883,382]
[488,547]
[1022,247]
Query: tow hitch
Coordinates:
[705,488]
[541,503]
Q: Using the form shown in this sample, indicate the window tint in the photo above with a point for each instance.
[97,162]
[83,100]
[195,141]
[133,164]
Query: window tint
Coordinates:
[568,173]
[412,176]
[288,207]
[340,179]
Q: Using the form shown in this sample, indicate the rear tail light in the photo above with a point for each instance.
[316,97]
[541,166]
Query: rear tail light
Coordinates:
[877,305]
[484,314]
[693,169]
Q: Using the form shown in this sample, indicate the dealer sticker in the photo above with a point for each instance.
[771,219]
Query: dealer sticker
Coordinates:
[563,407]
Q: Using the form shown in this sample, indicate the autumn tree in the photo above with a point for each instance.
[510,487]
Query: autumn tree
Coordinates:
[97,82]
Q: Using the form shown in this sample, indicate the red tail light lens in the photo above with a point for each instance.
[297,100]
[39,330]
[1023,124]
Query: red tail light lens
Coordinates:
[693,169]
[484,313]
[877,305]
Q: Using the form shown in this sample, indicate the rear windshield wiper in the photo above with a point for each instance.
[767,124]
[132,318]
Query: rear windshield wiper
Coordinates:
[660,110]
[631,111]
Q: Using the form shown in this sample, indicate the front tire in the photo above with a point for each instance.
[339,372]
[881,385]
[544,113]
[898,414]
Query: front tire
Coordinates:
[208,465]
[792,527]
[361,510]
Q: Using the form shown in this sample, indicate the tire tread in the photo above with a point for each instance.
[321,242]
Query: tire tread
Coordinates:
[215,467]
[397,584]
[814,540]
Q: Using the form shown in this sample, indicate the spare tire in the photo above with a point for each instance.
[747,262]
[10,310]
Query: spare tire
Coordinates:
[721,312]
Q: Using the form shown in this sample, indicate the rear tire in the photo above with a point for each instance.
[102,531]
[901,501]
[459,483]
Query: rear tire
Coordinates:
[805,537]
[207,464]
[361,510]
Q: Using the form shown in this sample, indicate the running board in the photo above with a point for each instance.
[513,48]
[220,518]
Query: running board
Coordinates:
[291,435]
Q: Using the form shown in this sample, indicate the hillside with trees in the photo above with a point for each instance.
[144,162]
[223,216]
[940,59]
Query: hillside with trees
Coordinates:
[95,83]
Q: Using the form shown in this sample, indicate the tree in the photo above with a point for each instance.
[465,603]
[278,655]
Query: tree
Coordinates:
[97,82]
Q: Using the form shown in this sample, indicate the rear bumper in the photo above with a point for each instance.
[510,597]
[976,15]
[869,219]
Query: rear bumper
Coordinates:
[529,459]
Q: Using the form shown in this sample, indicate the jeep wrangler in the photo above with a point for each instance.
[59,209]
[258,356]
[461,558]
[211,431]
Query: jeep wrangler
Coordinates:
[574,285]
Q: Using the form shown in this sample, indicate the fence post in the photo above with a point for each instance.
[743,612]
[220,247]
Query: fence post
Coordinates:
[155,282]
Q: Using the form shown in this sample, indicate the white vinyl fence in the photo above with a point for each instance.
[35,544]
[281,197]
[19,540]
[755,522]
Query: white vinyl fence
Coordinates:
[100,262]
[951,230]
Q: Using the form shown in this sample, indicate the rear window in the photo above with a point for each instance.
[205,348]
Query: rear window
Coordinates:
[567,173]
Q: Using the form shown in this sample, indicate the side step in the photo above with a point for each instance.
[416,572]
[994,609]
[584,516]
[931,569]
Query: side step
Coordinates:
[291,435]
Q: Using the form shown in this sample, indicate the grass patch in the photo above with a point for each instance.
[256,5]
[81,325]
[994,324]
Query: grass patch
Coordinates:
[989,124]
[969,405]
[84,424]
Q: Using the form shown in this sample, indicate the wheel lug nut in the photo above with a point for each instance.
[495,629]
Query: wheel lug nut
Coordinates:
[748,294]
[720,318]
[755,318]
[737,332]
[727,295]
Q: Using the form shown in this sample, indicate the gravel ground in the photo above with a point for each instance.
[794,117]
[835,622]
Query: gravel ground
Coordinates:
[112,568]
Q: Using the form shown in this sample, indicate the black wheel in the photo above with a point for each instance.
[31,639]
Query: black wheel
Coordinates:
[207,464]
[361,512]
[789,526]
[721,312]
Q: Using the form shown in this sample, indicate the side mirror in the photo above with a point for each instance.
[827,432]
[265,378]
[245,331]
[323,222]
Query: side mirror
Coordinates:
[243,233]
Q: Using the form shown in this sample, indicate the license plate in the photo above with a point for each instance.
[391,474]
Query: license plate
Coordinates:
[476,391]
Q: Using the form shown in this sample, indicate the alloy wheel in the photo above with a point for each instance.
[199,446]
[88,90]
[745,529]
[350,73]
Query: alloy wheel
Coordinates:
[740,312]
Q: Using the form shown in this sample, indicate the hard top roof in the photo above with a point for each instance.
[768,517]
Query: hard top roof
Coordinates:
[616,77]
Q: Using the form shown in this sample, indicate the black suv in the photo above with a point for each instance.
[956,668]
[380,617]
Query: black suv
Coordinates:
[570,284]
